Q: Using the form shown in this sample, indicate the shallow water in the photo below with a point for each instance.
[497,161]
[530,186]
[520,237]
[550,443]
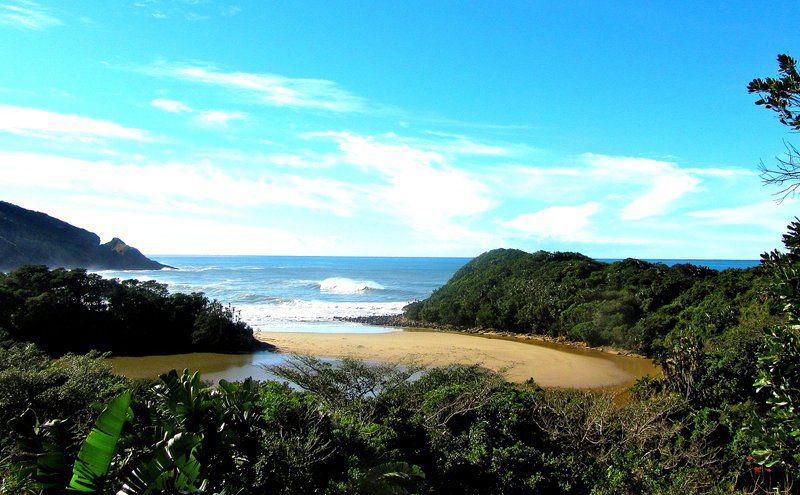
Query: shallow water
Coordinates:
[212,367]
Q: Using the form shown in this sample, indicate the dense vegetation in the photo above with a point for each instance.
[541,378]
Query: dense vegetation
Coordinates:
[632,304]
[75,311]
[356,428]
[30,237]
[359,429]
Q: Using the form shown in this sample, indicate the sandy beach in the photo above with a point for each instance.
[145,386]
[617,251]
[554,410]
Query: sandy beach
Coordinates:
[549,365]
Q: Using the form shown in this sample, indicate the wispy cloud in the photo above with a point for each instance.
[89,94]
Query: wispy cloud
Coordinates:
[563,223]
[767,214]
[199,183]
[169,230]
[299,159]
[303,159]
[269,89]
[207,117]
[417,186]
[171,106]
[25,121]
[230,11]
[665,182]
[22,14]
[219,117]
[453,144]
[190,10]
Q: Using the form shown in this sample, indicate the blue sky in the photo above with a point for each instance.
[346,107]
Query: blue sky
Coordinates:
[413,128]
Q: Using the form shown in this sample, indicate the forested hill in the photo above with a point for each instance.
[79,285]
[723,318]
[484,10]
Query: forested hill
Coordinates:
[632,303]
[31,237]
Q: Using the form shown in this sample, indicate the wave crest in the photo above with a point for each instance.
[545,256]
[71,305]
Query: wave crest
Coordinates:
[279,313]
[341,285]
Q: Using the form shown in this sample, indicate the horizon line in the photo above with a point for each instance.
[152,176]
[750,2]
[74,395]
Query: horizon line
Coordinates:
[431,257]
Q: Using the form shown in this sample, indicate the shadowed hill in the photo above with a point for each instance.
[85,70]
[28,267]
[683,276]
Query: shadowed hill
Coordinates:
[31,237]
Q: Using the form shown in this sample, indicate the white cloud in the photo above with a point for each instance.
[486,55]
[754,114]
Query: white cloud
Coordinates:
[666,189]
[23,14]
[43,124]
[170,232]
[302,159]
[205,117]
[271,89]
[725,173]
[564,223]
[219,117]
[768,215]
[171,106]
[199,184]
[458,144]
[418,187]
[230,11]
[665,181]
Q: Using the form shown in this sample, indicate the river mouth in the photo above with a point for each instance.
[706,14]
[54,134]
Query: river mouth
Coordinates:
[548,364]
[213,367]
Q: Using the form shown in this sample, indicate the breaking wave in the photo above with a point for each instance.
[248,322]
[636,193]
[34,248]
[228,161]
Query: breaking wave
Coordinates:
[341,285]
[266,315]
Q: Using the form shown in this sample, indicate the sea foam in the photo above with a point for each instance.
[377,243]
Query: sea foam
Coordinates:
[341,285]
[261,315]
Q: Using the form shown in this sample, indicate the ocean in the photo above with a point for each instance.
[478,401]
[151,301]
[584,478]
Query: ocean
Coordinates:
[306,294]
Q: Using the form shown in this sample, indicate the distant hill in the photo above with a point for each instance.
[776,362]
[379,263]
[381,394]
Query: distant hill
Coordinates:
[31,237]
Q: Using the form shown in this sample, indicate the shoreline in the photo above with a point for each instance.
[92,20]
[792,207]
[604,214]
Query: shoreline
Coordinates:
[401,322]
[548,364]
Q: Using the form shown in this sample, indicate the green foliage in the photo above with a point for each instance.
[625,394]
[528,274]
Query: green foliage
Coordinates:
[174,468]
[75,311]
[64,387]
[391,478]
[782,94]
[778,381]
[632,304]
[97,451]
[41,457]
[455,429]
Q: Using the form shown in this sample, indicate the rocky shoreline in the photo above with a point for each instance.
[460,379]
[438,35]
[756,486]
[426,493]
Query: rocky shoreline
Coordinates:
[401,321]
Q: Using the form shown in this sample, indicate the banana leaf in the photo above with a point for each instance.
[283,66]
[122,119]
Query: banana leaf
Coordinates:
[98,449]
[173,468]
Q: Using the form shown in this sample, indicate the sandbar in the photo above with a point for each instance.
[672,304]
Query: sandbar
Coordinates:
[548,364]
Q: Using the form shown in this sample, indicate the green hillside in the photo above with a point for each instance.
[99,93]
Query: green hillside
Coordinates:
[632,303]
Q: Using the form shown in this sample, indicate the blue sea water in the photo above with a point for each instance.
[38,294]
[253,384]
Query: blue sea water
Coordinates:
[713,264]
[275,293]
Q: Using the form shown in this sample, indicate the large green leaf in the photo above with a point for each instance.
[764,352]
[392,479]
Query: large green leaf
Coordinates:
[173,467]
[99,447]
[184,398]
[42,450]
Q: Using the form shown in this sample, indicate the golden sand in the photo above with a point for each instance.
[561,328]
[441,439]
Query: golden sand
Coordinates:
[549,365]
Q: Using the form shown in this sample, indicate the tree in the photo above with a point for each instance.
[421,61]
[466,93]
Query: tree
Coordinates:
[782,95]
[777,429]
[778,375]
